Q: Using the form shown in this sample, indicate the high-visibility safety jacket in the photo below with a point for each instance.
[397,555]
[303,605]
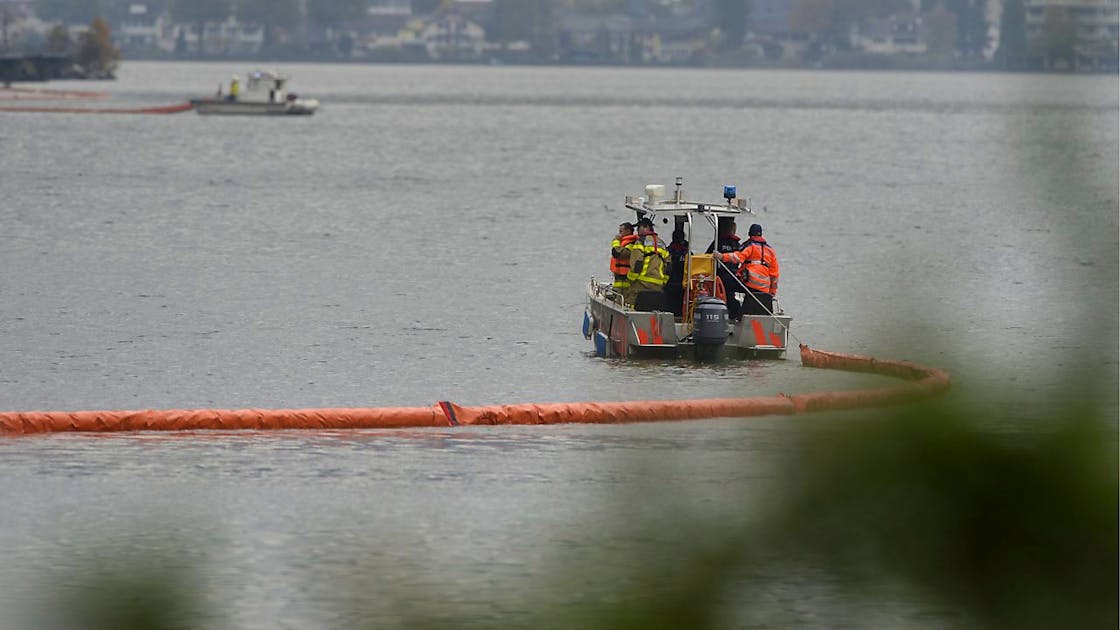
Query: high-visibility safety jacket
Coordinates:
[648,261]
[758,265]
[620,260]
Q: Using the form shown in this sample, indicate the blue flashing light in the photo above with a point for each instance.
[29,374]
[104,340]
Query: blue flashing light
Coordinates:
[729,192]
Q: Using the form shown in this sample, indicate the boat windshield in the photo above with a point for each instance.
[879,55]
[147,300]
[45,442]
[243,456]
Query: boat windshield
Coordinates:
[701,225]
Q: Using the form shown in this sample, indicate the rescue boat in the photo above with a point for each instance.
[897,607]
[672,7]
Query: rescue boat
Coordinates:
[264,94]
[699,326]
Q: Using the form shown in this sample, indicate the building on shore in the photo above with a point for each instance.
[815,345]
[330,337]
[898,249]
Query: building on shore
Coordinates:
[1073,34]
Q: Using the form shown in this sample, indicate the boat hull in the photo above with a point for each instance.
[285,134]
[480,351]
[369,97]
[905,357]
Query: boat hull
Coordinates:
[617,331]
[298,107]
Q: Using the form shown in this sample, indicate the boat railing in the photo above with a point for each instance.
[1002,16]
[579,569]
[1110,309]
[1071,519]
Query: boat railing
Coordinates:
[605,290]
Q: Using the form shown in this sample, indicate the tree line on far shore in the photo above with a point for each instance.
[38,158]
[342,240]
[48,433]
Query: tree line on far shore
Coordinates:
[89,55]
[957,31]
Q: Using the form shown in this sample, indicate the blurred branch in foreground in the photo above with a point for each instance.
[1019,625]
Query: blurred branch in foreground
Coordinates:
[1016,532]
[1002,531]
[142,590]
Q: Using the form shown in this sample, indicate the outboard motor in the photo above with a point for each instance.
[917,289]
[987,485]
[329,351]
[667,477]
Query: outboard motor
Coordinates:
[709,329]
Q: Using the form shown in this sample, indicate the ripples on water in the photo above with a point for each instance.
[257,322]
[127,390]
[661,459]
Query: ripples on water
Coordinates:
[718,102]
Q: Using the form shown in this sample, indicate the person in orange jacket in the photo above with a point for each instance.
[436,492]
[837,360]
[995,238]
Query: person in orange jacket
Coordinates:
[620,256]
[758,270]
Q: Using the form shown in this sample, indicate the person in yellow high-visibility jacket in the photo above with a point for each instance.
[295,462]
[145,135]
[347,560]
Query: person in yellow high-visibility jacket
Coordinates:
[620,256]
[649,261]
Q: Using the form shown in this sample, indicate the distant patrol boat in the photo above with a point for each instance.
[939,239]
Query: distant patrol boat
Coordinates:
[262,95]
[649,328]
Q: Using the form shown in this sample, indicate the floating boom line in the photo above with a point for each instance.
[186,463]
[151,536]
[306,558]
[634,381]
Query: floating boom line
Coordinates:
[161,109]
[920,382]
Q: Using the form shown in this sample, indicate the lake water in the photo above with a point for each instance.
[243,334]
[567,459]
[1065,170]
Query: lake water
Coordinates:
[428,236]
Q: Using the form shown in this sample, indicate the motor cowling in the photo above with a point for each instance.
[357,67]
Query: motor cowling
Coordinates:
[710,321]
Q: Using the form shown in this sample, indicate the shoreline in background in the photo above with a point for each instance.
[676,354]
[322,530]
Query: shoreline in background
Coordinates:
[844,61]
[866,63]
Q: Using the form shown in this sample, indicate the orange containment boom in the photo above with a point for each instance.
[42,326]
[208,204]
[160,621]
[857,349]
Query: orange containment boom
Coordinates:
[921,382]
[43,94]
[162,109]
[221,419]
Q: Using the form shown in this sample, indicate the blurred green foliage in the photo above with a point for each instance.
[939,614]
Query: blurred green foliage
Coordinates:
[1017,531]
[145,590]
[1004,531]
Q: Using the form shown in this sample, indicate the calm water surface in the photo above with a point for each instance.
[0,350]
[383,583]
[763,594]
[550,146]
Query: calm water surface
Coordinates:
[427,236]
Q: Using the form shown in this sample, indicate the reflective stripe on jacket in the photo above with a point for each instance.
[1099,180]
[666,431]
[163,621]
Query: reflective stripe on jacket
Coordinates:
[648,261]
[620,259]
[758,265]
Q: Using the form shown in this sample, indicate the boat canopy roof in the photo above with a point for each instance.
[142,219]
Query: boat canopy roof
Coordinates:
[692,216]
[686,208]
[266,75]
[654,204]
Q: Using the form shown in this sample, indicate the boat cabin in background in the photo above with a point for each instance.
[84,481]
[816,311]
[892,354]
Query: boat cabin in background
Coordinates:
[263,93]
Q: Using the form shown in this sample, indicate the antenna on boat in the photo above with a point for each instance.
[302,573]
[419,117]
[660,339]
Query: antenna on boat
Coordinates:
[679,195]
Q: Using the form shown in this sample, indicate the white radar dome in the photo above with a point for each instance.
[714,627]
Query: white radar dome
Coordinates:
[655,192]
